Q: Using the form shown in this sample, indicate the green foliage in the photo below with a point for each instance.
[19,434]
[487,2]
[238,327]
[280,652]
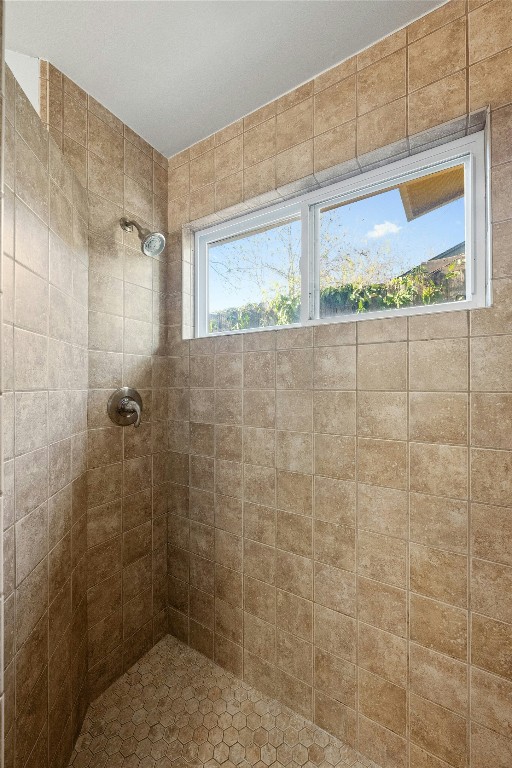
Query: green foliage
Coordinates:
[418,287]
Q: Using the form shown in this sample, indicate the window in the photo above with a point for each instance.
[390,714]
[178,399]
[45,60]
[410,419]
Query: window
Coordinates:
[406,238]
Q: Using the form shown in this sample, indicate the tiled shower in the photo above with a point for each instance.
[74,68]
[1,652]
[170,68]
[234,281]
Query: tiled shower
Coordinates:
[322,513]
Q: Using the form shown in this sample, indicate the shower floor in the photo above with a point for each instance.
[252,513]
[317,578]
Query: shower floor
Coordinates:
[177,708]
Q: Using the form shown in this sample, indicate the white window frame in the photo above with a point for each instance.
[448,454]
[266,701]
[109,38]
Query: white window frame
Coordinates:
[471,151]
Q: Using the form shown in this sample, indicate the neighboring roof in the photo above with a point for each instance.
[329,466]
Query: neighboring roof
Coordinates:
[426,193]
[439,264]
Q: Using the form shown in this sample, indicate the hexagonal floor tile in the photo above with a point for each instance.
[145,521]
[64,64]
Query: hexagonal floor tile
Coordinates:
[176,709]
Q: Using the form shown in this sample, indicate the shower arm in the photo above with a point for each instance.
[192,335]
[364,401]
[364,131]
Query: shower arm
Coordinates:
[129,224]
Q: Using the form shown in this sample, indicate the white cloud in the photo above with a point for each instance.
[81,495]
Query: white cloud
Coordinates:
[380,230]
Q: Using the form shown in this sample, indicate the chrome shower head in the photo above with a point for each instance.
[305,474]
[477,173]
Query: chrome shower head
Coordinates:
[151,243]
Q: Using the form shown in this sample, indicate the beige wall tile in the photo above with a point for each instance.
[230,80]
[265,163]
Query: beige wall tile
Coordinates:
[442,325]
[428,470]
[335,368]
[229,158]
[438,731]
[335,456]
[259,484]
[335,633]
[490,589]
[259,408]
[335,545]
[260,142]
[294,533]
[229,191]
[334,334]
[294,451]
[224,406]
[447,97]
[202,170]
[490,533]
[383,510]
[378,743]
[491,701]
[335,146]
[295,163]
[179,181]
[335,589]
[490,417]
[334,500]
[294,614]
[489,30]
[438,417]
[382,367]
[438,626]
[384,47]
[260,178]
[490,476]
[294,492]
[439,522]
[294,656]
[382,605]
[487,84]
[382,126]
[438,18]
[335,105]
[439,679]
[260,599]
[259,446]
[382,558]
[387,329]
[502,232]
[259,370]
[335,74]
[335,677]
[229,132]
[381,82]
[489,641]
[382,653]
[382,462]
[294,574]
[334,412]
[382,415]
[294,409]
[295,125]
[437,55]
[294,369]
[489,745]
[259,115]
[490,369]
[438,365]
[382,701]
[202,202]
[438,574]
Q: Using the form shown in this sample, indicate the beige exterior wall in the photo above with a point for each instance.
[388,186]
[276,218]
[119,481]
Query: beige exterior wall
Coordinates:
[128,316]
[341,497]
[44,274]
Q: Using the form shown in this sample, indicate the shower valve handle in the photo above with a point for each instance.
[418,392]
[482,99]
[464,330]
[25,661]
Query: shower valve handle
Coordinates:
[125,407]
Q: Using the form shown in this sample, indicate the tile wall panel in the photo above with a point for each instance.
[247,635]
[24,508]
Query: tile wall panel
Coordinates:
[129,317]
[340,497]
[45,274]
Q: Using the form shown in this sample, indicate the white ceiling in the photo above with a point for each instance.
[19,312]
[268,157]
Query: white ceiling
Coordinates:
[176,71]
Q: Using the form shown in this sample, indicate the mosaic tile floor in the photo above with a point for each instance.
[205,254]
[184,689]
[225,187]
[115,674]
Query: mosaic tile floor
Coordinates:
[176,708]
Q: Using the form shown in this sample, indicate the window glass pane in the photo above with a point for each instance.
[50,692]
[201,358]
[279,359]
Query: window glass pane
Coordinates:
[254,279]
[400,247]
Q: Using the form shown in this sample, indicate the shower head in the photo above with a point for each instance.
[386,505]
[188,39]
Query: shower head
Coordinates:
[151,243]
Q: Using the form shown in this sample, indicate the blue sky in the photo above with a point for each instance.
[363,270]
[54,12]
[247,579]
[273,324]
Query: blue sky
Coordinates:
[377,223]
